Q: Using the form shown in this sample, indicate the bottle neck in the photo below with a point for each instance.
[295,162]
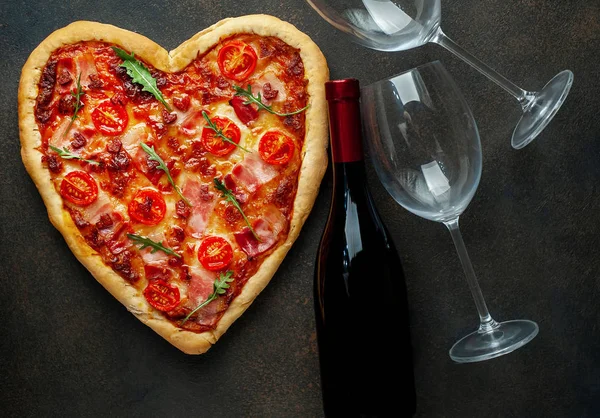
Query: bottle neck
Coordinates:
[345,130]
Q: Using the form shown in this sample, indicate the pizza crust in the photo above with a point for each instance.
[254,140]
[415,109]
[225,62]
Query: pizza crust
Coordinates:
[314,161]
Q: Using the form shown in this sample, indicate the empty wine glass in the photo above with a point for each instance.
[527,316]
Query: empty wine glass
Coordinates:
[425,148]
[397,25]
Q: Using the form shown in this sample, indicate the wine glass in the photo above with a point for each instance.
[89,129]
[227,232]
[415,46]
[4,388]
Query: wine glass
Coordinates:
[425,148]
[397,25]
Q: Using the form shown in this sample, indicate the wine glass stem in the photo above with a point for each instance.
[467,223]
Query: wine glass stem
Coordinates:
[524,97]
[487,322]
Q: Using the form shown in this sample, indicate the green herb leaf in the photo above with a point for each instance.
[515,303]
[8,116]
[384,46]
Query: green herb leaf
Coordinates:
[68,155]
[220,286]
[78,105]
[140,74]
[162,166]
[146,242]
[228,195]
[210,124]
[258,101]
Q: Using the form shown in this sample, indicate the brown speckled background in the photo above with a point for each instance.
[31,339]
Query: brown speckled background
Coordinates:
[67,348]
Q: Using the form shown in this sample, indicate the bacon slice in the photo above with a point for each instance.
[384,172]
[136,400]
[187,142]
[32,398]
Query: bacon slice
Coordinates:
[58,138]
[93,212]
[201,284]
[86,66]
[191,123]
[202,202]
[275,84]
[268,228]
[252,172]
[159,258]
[200,288]
[132,140]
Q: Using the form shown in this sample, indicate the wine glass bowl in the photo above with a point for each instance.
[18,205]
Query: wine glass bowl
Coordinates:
[383,25]
[426,151]
[397,25]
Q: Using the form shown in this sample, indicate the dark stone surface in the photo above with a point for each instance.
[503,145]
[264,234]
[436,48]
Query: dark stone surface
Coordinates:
[67,348]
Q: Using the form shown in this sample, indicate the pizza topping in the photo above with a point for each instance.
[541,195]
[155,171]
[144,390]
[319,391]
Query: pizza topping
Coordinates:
[66,104]
[267,228]
[157,273]
[153,156]
[105,221]
[169,118]
[110,119]
[79,187]
[182,102]
[294,65]
[228,195]
[146,242]
[147,207]
[252,173]
[276,148]
[78,141]
[203,203]
[119,99]
[182,210]
[68,155]
[124,266]
[54,164]
[215,253]
[95,82]
[237,60]
[245,112]
[162,295]
[140,74]
[250,98]
[47,81]
[64,77]
[268,92]
[77,105]
[220,136]
[220,286]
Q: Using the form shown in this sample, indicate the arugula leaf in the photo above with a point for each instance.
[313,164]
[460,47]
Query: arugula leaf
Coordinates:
[140,74]
[239,91]
[219,132]
[68,155]
[228,195]
[146,242]
[220,286]
[162,166]
[78,105]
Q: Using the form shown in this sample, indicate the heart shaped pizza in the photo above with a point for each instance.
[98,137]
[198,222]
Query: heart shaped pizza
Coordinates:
[179,179]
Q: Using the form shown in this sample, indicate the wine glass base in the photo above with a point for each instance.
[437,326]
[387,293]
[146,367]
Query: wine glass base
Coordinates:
[502,339]
[542,109]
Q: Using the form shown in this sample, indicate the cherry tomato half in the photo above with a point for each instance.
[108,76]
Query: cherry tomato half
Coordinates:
[79,187]
[162,295]
[215,144]
[215,253]
[276,148]
[237,60]
[109,118]
[147,207]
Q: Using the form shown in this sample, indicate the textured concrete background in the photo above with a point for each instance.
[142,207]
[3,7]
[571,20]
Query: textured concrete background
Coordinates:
[67,348]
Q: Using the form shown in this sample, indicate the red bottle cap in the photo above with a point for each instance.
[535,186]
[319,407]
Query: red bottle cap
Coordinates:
[345,129]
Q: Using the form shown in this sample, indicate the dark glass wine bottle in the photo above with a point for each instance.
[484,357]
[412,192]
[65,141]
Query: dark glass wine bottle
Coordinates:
[361,308]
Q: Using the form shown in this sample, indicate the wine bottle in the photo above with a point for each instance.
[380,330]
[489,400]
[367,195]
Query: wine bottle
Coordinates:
[363,333]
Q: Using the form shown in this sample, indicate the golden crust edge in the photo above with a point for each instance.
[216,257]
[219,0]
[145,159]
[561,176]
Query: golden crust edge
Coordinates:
[311,172]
